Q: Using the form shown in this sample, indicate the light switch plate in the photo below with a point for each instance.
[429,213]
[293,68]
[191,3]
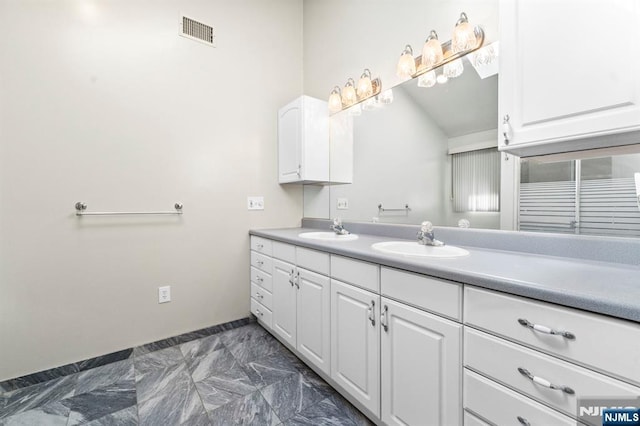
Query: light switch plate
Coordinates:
[255,203]
[164,294]
[343,204]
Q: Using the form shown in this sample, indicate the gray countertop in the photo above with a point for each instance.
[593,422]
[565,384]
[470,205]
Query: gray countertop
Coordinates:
[606,288]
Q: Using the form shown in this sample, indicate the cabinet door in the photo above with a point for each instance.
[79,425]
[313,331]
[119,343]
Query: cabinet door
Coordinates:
[313,324]
[290,142]
[284,301]
[421,367]
[568,70]
[355,343]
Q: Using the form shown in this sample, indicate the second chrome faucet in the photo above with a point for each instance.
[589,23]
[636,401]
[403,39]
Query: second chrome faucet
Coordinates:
[426,237]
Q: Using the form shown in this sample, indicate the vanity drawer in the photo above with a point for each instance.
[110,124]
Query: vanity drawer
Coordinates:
[261,278]
[502,406]
[356,272]
[261,245]
[500,360]
[261,312]
[432,294]
[602,343]
[312,260]
[261,295]
[261,262]
[284,251]
[473,420]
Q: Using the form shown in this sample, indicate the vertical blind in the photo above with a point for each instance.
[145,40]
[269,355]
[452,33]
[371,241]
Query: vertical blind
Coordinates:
[476,181]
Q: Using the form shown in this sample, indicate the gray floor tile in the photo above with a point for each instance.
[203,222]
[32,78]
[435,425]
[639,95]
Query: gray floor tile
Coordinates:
[175,405]
[53,414]
[126,417]
[272,368]
[223,388]
[250,342]
[171,380]
[102,377]
[201,347]
[39,395]
[100,402]
[212,364]
[292,395]
[157,360]
[251,409]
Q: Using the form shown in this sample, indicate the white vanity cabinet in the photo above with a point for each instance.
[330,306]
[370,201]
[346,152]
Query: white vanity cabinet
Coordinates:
[568,75]
[301,301]
[355,343]
[303,141]
[551,356]
[421,351]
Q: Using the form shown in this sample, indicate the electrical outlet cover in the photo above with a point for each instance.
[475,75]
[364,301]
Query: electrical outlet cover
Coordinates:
[164,294]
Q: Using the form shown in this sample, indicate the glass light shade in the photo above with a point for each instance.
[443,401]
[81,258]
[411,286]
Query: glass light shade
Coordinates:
[431,51]
[349,93]
[335,102]
[406,64]
[386,97]
[486,55]
[464,37]
[427,79]
[453,69]
[442,79]
[365,88]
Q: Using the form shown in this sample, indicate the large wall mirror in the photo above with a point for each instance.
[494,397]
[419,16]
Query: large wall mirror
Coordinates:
[404,155]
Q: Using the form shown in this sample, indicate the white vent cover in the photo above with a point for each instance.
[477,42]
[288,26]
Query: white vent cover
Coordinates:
[190,28]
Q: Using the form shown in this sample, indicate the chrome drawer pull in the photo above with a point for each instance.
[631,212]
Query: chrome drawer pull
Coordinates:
[543,382]
[523,421]
[546,330]
[291,278]
[259,279]
[371,313]
[383,318]
[260,262]
[259,296]
[260,246]
[259,313]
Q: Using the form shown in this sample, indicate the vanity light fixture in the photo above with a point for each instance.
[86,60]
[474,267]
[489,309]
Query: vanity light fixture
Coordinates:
[442,79]
[464,36]
[406,64]
[453,69]
[335,100]
[365,89]
[466,39]
[432,51]
[349,96]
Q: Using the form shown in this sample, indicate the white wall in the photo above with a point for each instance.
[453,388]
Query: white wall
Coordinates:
[102,102]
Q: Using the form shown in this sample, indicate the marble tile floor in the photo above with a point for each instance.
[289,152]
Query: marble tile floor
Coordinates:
[241,376]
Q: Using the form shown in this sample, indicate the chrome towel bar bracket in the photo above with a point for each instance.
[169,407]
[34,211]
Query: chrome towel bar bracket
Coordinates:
[81,207]
[404,209]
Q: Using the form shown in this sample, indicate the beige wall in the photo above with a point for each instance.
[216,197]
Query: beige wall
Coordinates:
[102,102]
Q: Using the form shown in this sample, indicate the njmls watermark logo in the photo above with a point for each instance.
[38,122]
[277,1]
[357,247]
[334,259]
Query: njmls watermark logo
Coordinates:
[609,411]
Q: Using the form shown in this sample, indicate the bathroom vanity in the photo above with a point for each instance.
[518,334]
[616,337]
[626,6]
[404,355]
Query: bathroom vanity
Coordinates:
[493,337]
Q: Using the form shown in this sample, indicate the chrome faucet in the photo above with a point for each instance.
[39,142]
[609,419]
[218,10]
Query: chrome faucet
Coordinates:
[338,228]
[426,237]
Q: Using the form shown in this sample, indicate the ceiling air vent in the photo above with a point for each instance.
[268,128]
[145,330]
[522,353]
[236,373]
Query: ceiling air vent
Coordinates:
[190,28]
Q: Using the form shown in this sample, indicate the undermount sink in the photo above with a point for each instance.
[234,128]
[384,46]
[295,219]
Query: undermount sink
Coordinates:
[328,236]
[410,248]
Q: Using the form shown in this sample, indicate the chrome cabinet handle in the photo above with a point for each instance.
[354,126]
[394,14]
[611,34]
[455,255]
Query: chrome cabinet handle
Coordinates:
[260,262]
[371,313]
[506,129]
[523,421]
[259,279]
[259,313]
[259,296]
[543,382]
[299,169]
[546,330]
[384,320]
[297,280]
[260,246]
[291,278]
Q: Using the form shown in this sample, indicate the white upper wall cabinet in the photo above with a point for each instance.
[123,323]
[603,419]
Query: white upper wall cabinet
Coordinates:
[303,144]
[568,75]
